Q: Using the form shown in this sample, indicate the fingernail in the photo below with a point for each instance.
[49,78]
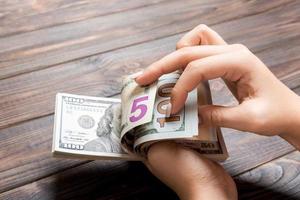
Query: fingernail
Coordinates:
[169,109]
[136,75]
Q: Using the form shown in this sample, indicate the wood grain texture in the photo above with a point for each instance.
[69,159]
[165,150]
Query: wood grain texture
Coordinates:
[118,180]
[96,180]
[34,138]
[46,47]
[101,74]
[19,16]
[82,47]
[279,179]
[25,153]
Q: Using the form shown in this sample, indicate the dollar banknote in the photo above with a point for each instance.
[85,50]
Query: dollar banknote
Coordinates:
[209,140]
[106,128]
[88,127]
[161,127]
[137,104]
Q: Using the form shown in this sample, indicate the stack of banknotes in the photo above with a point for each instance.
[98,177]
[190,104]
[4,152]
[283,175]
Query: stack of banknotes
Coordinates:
[107,128]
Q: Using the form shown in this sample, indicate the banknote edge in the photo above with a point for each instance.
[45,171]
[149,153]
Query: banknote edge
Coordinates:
[56,150]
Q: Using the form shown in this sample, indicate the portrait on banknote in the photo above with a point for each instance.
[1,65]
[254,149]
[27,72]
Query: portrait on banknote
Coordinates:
[108,132]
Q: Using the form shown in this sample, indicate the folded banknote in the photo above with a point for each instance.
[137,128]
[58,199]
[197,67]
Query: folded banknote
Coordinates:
[107,128]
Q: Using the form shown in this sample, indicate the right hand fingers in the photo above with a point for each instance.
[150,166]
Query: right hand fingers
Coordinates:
[228,117]
[232,66]
[179,59]
[204,35]
[200,35]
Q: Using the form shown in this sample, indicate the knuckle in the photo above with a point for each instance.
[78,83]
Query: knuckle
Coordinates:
[216,116]
[259,124]
[202,27]
[181,44]
[259,115]
[184,50]
[248,56]
[184,53]
[191,66]
[175,90]
[179,90]
[155,68]
[163,69]
[240,47]
[245,55]
[260,120]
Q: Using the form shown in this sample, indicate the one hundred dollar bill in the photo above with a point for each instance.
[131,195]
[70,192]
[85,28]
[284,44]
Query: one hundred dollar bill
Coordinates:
[209,140]
[88,127]
[162,127]
[106,128]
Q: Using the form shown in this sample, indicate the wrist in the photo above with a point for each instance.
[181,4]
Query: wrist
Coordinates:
[292,133]
[221,191]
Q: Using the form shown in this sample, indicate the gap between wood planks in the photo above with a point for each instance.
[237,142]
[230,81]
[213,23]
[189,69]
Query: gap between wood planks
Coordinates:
[120,6]
[266,45]
[182,29]
[278,179]
[230,165]
[257,180]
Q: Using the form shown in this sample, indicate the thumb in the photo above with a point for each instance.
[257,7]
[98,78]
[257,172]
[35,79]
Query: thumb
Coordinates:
[229,117]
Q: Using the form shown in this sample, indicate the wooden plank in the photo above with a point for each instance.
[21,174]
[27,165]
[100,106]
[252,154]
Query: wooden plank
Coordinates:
[46,47]
[124,180]
[278,179]
[113,62]
[248,151]
[95,180]
[17,168]
[25,149]
[131,66]
[25,152]
[30,157]
[19,16]
[101,74]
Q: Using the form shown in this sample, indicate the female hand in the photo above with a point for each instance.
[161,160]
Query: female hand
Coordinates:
[189,174]
[266,106]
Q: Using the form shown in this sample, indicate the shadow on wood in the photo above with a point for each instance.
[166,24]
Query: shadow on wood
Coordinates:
[248,190]
[112,180]
[131,180]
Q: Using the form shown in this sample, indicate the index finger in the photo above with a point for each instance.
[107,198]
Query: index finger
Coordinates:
[204,35]
[178,60]
[200,35]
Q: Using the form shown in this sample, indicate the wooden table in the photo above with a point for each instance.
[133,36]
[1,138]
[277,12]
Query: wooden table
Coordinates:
[84,47]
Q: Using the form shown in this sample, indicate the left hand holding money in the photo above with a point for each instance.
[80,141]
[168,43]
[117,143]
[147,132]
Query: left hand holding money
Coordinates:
[189,174]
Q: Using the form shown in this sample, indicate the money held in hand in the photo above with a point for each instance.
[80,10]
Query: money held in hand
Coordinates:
[106,128]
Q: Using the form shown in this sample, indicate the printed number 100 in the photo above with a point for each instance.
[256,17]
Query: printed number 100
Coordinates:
[138,104]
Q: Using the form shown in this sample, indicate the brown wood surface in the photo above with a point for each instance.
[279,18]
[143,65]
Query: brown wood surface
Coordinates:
[49,46]
[278,179]
[84,47]
[25,15]
[41,86]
